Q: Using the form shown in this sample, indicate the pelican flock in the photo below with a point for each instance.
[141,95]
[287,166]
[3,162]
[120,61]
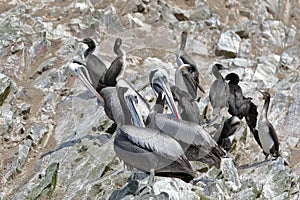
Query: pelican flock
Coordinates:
[163,138]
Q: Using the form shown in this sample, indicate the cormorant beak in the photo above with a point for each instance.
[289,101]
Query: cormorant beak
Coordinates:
[161,86]
[261,92]
[132,102]
[76,70]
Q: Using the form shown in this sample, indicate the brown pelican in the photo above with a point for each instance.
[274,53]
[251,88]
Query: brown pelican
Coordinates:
[160,84]
[187,74]
[241,106]
[187,106]
[145,148]
[229,128]
[80,70]
[267,134]
[197,143]
[219,91]
[109,96]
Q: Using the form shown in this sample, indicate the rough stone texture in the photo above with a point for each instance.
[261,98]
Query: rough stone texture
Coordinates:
[55,139]
[228,44]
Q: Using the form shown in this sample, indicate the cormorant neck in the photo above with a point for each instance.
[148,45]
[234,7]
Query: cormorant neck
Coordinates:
[90,50]
[183,42]
[216,72]
[117,46]
[266,107]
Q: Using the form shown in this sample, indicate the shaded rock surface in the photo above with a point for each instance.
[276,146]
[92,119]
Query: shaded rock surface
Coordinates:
[55,139]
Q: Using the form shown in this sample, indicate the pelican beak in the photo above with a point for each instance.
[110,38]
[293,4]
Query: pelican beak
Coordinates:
[132,102]
[199,86]
[190,79]
[165,89]
[75,70]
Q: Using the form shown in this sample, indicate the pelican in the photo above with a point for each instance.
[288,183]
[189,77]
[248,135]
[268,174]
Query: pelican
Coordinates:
[187,106]
[147,149]
[219,91]
[267,134]
[108,96]
[187,74]
[197,143]
[160,84]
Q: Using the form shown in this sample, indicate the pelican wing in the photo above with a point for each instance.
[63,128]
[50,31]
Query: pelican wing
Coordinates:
[153,140]
[96,69]
[187,59]
[184,131]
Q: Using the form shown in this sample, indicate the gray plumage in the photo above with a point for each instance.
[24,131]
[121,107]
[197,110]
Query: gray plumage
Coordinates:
[96,68]
[145,148]
[195,141]
[159,82]
[187,106]
[219,92]
[187,73]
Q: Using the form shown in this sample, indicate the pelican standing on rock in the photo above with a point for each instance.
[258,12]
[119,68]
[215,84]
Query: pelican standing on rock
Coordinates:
[147,149]
[187,73]
[108,96]
[267,134]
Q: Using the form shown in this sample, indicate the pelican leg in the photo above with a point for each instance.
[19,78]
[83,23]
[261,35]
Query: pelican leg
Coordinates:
[147,188]
[266,156]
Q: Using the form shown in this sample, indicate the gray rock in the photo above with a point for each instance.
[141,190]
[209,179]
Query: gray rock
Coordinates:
[266,70]
[290,57]
[36,133]
[228,44]
[277,33]
[230,173]
[25,109]
[19,160]
[47,184]
[5,86]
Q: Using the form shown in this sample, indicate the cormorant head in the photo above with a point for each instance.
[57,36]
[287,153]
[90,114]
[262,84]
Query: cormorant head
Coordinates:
[266,95]
[233,78]
[219,66]
[117,46]
[89,42]
[184,34]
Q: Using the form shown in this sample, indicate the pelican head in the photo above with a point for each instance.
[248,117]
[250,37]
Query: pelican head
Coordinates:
[160,84]
[76,69]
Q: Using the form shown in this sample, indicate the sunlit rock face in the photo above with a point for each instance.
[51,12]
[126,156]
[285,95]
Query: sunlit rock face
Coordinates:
[56,141]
